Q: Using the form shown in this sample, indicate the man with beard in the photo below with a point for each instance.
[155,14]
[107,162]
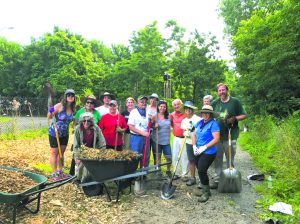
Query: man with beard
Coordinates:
[231,112]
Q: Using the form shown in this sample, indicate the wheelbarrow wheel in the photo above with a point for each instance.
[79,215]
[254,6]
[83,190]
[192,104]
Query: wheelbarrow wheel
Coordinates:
[93,190]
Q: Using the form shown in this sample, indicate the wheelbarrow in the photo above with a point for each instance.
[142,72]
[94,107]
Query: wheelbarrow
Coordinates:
[22,199]
[120,171]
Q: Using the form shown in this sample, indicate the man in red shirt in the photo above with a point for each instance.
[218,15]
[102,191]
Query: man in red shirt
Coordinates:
[176,118]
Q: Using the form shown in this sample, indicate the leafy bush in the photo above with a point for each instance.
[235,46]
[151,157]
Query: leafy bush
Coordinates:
[275,147]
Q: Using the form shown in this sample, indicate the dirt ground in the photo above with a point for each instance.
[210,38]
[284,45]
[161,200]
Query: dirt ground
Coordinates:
[69,204]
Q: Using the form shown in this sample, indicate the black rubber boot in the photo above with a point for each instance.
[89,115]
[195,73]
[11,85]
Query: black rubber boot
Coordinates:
[205,194]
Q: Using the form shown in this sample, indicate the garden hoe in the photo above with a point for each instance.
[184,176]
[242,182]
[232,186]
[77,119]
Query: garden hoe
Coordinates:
[168,190]
[230,178]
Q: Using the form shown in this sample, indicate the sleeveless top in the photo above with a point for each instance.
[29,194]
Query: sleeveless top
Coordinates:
[62,123]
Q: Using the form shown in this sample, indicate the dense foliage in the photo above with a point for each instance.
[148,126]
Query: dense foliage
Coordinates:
[67,60]
[274,146]
[266,45]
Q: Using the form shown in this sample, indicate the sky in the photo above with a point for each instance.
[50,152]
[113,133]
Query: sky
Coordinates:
[109,21]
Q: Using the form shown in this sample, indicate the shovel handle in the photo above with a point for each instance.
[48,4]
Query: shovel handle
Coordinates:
[229,147]
[57,138]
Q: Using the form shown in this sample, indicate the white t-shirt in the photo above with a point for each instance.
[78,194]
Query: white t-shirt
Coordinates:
[139,122]
[189,123]
[102,110]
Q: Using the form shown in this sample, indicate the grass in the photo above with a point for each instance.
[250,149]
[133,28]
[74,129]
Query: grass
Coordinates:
[274,146]
[24,135]
[4,119]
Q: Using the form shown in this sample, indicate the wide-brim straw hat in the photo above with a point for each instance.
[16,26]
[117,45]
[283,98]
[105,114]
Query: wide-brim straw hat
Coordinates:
[209,109]
[90,97]
[112,96]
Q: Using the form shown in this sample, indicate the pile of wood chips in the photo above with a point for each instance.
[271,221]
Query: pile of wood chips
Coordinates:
[13,182]
[106,154]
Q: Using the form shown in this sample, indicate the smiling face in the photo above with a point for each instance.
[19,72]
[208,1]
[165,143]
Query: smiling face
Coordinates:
[70,97]
[176,105]
[206,102]
[188,112]
[162,108]
[130,104]
[89,105]
[222,92]
[152,101]
[86,123]
[205,116]
[112,109]
[142,103]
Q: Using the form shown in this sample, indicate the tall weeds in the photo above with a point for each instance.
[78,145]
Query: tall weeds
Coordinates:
[275,147]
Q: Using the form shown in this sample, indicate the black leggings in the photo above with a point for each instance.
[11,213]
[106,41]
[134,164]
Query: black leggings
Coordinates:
[203,162]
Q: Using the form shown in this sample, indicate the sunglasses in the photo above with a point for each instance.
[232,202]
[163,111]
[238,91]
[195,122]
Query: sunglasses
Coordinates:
[90,102]
[87,121]
[70,95]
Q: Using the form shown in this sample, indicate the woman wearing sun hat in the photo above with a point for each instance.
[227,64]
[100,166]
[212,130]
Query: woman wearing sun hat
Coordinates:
[187,125]
[204,140]
[90,103]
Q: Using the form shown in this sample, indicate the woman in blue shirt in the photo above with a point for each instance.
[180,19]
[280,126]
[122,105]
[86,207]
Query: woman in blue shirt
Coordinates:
[204,140]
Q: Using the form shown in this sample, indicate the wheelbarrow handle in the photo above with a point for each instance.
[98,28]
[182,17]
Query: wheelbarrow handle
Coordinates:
[54,185]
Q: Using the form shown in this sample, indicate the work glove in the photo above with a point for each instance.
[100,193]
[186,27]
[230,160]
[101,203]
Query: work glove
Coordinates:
[202,149]
[51,110]
[119,130]
[187,133]
[230,121]
[195,150]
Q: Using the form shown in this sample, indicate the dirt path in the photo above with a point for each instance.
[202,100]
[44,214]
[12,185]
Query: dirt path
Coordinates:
[184,207]
[68,203]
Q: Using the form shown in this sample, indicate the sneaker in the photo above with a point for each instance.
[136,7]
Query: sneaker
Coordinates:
[191,181]
[63,175]
[185,179]
[55,176]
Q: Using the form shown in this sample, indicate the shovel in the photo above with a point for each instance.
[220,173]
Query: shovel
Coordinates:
[230,178]
[168,190]
[139,185]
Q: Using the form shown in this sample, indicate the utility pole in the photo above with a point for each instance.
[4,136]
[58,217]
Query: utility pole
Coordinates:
[167,86]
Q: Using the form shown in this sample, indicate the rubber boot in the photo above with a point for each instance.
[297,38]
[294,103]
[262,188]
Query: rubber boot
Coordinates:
[200,192]
[205,194]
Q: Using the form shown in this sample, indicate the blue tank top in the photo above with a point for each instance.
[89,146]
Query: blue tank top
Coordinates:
[62,123]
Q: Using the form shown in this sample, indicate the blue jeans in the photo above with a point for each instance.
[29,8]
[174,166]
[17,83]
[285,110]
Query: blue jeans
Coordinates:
[166,149]
[137,144]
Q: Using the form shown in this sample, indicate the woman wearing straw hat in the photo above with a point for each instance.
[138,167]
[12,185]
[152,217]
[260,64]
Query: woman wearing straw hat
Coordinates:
[204,140]
[90,103]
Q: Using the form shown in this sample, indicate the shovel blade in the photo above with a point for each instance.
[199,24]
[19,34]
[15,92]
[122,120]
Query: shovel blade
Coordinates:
[230,181]
[139,187]
[167,191]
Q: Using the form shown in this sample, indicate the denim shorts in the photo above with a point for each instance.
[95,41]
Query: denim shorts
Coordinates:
[166,149]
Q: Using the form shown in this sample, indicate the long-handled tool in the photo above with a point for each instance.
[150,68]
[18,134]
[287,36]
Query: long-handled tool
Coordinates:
[230,178]
[117,133]
[168,190]
[156,142]
[61,159]
[139,188]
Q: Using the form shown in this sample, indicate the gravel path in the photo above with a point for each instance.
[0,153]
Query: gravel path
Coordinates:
[184,207]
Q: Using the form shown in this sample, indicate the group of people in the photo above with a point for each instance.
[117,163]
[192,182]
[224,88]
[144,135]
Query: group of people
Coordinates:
[198,140]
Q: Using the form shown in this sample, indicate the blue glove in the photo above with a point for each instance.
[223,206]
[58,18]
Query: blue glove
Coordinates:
[51,110]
